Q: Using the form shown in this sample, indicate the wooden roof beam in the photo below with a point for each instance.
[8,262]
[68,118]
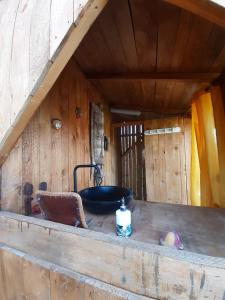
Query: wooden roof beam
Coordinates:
[190,77]
[206,9]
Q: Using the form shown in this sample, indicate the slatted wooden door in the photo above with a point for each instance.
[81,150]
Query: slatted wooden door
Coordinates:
[132,159]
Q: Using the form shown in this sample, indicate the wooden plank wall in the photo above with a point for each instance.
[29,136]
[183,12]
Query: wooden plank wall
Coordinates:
[168,160]
[141,268]
[43,280]
[38,38]
[43,154]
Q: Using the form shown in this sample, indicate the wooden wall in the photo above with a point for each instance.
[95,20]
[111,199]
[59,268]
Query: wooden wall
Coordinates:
[46,281]
[167,161]
[44,154]
[37,40]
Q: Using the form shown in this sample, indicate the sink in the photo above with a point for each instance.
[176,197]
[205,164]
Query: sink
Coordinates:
[104,199]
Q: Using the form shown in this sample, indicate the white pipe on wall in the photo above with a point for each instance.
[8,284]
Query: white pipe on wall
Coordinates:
[125,112]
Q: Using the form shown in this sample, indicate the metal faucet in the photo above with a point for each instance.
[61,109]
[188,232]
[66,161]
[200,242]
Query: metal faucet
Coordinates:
[98,175]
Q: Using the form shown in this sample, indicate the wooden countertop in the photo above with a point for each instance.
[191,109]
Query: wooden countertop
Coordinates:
[142,268]
[202,229]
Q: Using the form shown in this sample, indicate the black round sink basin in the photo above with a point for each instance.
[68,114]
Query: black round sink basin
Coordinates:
[104,199]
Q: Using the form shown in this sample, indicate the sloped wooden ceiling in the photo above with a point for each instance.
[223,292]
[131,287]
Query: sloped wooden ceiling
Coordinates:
[135,42]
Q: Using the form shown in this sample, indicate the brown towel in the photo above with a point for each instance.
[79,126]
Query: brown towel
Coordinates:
[64,207]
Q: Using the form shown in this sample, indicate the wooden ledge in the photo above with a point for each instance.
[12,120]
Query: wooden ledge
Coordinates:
[39,279]
[140,268]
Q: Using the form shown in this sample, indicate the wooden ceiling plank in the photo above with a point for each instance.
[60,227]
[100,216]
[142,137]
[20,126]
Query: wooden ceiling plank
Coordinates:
[182,39]
[123,21]
[214,46]
[93,63]
[181,95]
[198,44]
[177,76]
[201,49]
[136,93]
[190,54]
[144,15]
[205,9]
[169,96]
[161,91]
[142,95]
[111,36]
[148,92]
[219,62]
[168,19]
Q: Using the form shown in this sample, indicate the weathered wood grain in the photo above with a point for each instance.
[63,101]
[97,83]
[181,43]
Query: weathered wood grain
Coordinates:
[20,60]
[8,14]
[189,77]
[23,86]
[167,162]
[151,220]
[11,184]
[143,45]
[48,155]
[61,21]
[11,265]
[39,40]
[205,9]
[145,269]
[42,280]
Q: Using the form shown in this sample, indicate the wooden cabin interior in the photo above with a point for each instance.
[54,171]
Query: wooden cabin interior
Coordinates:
[141,93]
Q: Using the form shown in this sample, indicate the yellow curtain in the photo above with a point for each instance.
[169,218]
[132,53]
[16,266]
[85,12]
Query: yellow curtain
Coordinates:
[208,150]
[195,168]
[219,116]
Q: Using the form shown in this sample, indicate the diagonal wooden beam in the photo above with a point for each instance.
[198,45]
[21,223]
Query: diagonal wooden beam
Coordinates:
[206,9]
[47,71]
[190,77]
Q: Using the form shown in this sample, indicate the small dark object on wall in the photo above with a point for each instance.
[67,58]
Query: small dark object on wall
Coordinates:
[78,112]
[28,189]
[27,205]
[27,192]
[106,143]
[43,186]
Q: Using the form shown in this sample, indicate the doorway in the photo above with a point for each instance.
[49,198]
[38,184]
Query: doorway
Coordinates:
[132,162]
